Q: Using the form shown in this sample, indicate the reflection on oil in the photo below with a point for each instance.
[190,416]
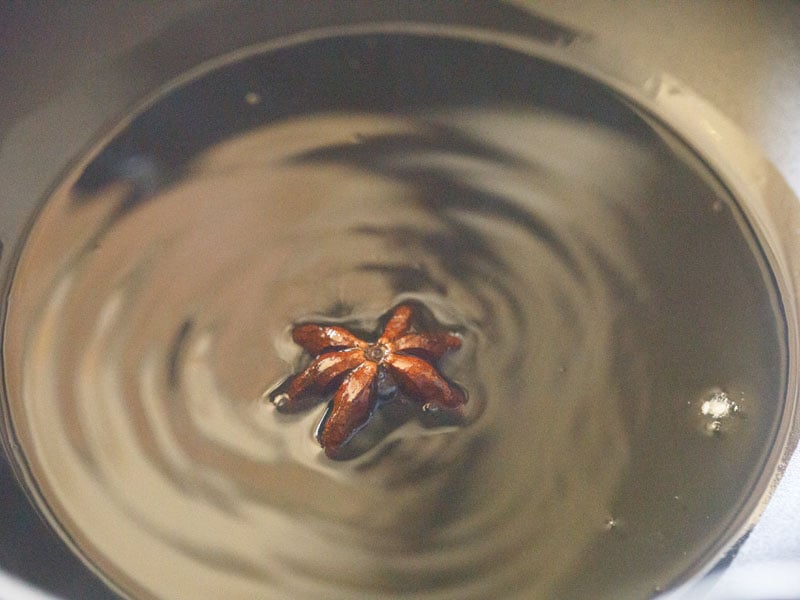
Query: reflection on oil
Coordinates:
[580,249]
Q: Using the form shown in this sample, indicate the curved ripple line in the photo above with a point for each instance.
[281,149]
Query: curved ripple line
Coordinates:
[184,460]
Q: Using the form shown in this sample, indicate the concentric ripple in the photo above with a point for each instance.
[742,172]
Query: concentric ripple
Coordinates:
[552,224]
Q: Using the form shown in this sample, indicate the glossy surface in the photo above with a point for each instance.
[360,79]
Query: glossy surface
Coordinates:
[337,353]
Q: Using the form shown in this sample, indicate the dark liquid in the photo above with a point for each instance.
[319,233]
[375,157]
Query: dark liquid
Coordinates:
[606,279]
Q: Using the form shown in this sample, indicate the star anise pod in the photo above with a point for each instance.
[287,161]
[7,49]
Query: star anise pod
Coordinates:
[354,367]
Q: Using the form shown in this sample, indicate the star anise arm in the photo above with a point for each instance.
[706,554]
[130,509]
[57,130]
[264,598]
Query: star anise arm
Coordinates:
[430,345]
[352,406]
[322,371]
[399,324]
[316,339]
[420,381]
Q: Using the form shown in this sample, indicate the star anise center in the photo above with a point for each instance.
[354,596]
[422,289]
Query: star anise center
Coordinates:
[376,352]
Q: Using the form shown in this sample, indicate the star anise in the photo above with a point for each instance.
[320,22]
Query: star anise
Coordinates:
[354,367]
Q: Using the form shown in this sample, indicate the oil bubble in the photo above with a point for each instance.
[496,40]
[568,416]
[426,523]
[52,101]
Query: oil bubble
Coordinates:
[716,408]
[719,406]
[280,400]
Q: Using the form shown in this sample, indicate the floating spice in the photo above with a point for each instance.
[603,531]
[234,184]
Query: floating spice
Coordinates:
[357,370]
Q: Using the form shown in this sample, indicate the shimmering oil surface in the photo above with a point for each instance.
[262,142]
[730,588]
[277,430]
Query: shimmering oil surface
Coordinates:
[606,286]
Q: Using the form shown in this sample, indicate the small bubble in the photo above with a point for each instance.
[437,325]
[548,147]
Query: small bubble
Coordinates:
[717,206]
[611,523]
[252,98]
[280,400]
